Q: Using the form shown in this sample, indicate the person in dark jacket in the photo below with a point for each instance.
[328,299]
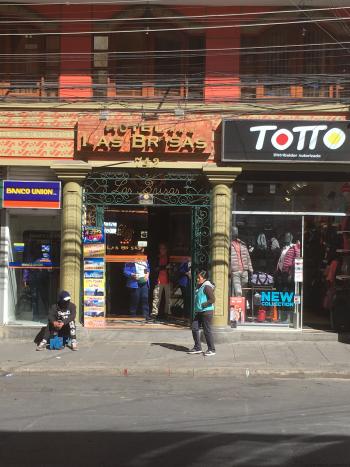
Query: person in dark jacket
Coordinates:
[61,321]
[203,314]
[137,281]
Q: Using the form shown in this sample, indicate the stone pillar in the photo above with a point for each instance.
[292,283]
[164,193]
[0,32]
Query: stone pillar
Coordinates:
[221,180]
[71,244]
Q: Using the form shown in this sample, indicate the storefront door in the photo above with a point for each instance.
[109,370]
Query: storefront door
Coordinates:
[146,211]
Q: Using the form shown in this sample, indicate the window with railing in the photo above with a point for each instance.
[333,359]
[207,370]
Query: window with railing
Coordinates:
[161,64]
[29,65]
[294,61]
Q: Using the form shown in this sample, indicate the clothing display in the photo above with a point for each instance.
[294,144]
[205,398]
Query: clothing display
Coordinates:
[240,257]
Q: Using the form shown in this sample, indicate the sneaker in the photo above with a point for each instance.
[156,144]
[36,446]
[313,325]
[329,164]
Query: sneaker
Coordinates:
[194,351]
[209,353]
[42,345]
[74,345]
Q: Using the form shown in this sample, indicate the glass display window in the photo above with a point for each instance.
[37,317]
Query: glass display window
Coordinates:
[34,264]
[265,251]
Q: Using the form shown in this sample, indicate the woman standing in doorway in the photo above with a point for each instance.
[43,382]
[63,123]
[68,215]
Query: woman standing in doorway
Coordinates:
[203,314]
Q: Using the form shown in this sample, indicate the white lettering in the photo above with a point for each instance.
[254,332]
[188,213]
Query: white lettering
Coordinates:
[262,129]
[305,129]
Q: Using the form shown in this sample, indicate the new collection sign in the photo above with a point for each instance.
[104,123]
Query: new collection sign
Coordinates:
[289,140]
[21,194]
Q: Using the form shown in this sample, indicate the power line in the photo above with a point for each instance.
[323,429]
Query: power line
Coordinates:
[162,18]
[188,28]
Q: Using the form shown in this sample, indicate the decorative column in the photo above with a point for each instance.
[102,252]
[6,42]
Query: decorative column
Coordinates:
[71,244]
[221,179]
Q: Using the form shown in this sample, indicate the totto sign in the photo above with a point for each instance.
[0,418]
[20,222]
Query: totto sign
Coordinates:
[304,136]
[294,140]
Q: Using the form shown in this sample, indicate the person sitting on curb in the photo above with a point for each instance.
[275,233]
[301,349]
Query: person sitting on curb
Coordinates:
[203,314]
[61,321]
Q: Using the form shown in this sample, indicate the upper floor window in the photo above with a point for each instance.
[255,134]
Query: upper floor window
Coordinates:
[147,63]
[29,63]
[292,61]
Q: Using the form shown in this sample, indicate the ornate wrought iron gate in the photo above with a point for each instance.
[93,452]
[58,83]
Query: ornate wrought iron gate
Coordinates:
[123,188]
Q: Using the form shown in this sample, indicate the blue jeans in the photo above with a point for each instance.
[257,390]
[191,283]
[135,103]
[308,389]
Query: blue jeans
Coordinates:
[139,297]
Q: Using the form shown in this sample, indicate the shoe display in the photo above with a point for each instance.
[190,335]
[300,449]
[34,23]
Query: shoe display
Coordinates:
[42,345]
[194,351]
[209,353]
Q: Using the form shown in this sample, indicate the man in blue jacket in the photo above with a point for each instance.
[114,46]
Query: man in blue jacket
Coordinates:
[137,281]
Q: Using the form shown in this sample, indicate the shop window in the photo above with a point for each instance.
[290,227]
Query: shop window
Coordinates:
[290,196]
[264,256]
[33,267]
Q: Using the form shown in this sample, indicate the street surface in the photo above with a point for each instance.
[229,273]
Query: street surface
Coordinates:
[103,420]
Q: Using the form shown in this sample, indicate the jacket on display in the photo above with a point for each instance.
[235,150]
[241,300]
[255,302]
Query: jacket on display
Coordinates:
[130,269]
[244,263]
[204,298]
[287,258]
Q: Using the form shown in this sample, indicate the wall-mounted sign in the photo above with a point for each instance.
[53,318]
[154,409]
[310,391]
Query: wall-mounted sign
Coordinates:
[298,269]
[285,140]
[145,198]
[21,194]
[110,227]
[121,137]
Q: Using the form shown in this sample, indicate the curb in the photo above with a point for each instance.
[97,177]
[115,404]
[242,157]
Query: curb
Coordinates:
[219,372]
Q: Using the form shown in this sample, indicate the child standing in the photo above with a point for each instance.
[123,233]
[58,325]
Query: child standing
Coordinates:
[203,314]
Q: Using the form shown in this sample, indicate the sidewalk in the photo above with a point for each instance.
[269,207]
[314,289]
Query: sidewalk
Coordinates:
[168,357]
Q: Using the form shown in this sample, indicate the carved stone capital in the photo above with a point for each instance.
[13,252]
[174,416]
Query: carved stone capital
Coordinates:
[221,175]
[72,171]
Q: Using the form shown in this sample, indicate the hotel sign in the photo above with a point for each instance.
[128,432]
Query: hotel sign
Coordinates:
[290,140]
[150,138]
[22,194]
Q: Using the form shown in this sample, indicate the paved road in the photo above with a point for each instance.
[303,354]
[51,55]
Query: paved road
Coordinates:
[134,421]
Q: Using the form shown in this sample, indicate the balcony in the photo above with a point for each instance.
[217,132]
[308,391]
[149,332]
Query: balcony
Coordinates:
[180,88]
[297,87]
[31,89]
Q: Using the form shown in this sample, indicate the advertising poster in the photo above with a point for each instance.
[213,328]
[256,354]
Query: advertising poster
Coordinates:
[94,264]
[93,234]
[93,250]
[237,309]
[94,277]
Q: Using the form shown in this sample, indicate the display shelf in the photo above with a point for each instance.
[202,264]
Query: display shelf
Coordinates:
[343,231]
[342,251]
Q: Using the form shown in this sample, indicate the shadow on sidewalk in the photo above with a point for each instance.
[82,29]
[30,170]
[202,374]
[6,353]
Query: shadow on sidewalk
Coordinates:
[171,449]
[177,348]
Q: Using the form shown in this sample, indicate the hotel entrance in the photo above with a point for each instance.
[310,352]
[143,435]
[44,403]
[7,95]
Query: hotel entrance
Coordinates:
[141,213]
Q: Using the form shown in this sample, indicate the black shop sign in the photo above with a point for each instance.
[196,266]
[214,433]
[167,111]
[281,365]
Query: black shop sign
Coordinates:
[285,140]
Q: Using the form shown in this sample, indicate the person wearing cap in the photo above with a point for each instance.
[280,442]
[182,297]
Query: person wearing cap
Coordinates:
[61,320]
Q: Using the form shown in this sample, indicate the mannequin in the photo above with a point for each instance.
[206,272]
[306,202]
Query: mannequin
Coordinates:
[285,270]
[289,252]
[241,264]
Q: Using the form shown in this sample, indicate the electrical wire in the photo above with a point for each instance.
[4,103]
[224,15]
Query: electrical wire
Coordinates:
[187,28]
[165,18]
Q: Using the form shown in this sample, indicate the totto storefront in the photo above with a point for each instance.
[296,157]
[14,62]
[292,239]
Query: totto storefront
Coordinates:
[290,241]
